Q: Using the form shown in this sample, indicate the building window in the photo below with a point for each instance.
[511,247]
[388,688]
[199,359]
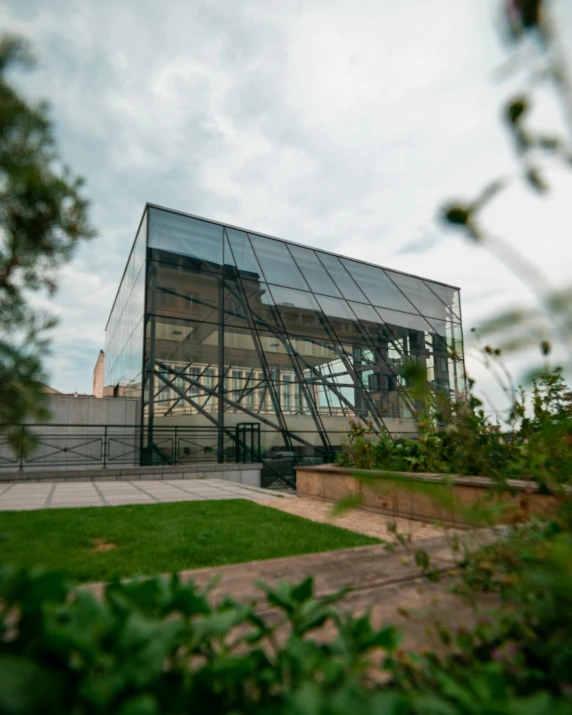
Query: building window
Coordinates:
[286,402]
[249,394]
[236,385]
[163,393]
[179,383]
[194,373]
[261,391]
[208,379]
[297,398]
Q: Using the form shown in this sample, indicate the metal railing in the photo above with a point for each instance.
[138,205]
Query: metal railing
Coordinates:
[104,446]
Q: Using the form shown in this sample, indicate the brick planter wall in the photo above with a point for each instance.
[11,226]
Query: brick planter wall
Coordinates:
[419,496]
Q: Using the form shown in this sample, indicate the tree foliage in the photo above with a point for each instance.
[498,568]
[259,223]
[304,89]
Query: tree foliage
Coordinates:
[43,217]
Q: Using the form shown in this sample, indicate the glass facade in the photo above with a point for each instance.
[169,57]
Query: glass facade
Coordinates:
[124,330]
[214,325]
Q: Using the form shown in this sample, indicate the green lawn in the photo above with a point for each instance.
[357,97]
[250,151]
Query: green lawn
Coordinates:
[97,543]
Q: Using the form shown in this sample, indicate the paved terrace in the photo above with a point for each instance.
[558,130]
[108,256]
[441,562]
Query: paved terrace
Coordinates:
[56,495]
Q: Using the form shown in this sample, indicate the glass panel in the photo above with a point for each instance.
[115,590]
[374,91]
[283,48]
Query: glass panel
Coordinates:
[343,321]
[194,373]
[342,278]
[241,255]
[335,372]
[334,308]
[309,353]
[184,390]
[182,234]
[394,318]
[287,393]
[184,293]
[182,343]
[278,353]
[377,287]
[236,311]
[240,349]
[438,326]
[299,311]
[424,299]
[140,247]
[366,313]
[277,263]
[261,305]
[448,295]
[314,272]
[124,331]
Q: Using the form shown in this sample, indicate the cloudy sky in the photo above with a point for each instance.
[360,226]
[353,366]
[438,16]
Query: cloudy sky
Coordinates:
[341,124]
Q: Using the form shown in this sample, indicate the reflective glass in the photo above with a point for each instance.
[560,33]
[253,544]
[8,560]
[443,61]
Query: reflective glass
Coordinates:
[396,320]
[236,311]
[124,331]
[277,263]
[419,293]
[341,277]
[241,349]
[184,390]
[239,253]
[439,327]
[342,319]
[299,311]
[448,295]
[182,293]
[310,338]
[182,234]
[335,308]
[376,285]
[366,313]
[181,342]
[280,355]
[314,272]
[260,303]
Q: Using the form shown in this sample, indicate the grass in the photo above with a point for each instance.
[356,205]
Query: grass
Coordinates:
[95,544]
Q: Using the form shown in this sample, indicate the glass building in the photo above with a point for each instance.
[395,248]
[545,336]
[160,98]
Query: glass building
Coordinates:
[219,327]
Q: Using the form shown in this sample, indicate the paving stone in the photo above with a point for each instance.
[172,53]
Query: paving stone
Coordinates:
[10,499]
[109,489]
[75,505]
[121,502]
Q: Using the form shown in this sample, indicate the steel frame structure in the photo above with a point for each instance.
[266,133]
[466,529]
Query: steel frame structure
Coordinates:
[337,361]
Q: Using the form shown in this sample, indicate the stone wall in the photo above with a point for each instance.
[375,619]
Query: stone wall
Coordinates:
[451,500]
[247,474]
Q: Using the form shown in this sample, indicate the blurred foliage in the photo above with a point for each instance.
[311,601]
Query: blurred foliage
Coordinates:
[159,646]
[537,154]
[524,645]
[456,437]
[42,219]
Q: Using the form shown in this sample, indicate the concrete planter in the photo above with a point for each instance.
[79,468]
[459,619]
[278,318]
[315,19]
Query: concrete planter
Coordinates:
[424,497]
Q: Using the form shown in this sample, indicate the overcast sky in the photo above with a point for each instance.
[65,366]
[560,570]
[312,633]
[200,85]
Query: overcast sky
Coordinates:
[341,125]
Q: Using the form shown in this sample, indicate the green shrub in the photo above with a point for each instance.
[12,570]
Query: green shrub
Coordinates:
[455,436]
[160,646]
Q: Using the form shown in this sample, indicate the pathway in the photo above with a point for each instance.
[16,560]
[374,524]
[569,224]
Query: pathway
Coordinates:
[16,496]
[364,522]
[387,585]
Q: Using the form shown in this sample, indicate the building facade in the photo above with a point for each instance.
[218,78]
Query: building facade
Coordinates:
[99,375]
[217,327]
